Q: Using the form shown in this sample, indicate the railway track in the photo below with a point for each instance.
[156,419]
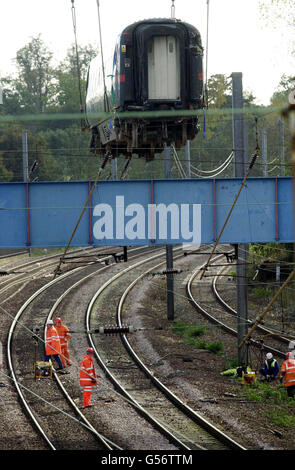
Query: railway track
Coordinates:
[25,272]
[181,424]
[20,353]
[52,425]
[266,331]
[206,305]
[39,269]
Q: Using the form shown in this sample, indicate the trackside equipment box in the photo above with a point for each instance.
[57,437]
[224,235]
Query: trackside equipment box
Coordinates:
[43,370]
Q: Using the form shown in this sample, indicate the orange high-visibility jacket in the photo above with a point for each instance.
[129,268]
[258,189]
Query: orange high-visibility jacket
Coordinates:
[52,342]
[87,372]
[288,372]
[63,333]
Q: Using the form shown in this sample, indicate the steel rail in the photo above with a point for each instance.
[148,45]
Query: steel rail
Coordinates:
[111,376]
[233,312]
[26,277]
[50,315]
[188,411]
[12,255]
[172,398]
[214,320]
[48,257]
[10,338]
[9,350]
[10,361]
[45,261]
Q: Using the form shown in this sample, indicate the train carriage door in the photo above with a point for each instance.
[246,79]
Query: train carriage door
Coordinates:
[163,68]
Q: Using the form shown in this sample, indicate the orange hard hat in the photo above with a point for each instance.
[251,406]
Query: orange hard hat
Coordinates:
[90,350]
[288,354]
[57,320]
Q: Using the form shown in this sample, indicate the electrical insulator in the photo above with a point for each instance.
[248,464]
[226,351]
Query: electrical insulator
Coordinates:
[113,330]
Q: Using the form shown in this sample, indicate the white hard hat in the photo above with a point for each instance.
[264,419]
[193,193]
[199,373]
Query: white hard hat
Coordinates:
[269,356]
[50,322]
[291,345]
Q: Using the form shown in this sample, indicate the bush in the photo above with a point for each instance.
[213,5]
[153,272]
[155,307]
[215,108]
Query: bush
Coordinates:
[261,292]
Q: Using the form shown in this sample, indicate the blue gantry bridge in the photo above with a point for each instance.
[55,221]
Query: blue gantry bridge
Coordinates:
[142,212]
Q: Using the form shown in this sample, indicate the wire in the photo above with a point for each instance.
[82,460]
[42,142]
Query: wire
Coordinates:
[78,62]
[207,44]
[218,173]
[56,408]
[215,169]
[106,98]
[178,163]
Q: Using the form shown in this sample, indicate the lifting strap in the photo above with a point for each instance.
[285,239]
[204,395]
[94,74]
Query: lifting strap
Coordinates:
[106,98]
[83,123]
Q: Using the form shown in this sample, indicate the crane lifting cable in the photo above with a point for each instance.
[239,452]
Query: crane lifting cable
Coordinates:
[84,124]
[106,98]
[206,76]
[173,10]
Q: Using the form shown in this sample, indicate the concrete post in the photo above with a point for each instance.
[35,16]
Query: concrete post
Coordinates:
[264,152]
[188,158]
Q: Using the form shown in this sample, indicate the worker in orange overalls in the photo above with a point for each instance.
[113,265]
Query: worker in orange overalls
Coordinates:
[87,376]
[52,344]
[287,374]
[64,335]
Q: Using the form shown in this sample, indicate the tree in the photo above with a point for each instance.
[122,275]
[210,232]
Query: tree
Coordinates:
[67,88]
[34,84]
[11,155]
[85,53]
[277,11]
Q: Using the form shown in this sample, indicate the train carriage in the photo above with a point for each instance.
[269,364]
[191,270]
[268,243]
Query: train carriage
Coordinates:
[157,66]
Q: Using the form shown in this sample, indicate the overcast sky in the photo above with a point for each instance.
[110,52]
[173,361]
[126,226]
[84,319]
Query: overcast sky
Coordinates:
[239,40]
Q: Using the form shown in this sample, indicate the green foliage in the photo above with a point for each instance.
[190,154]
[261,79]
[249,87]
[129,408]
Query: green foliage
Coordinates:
[191,334]
[262,392]
[280,407]
[59,146]
[183,329]
[215,347]
[281,417]
[261,292]
[231,363]
[34,82]
[271,251]
[62,150]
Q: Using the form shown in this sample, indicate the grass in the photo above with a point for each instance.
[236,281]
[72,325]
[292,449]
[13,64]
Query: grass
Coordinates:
[282,407]
[281,417]
[191,335]
[231,363]
[262,293]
